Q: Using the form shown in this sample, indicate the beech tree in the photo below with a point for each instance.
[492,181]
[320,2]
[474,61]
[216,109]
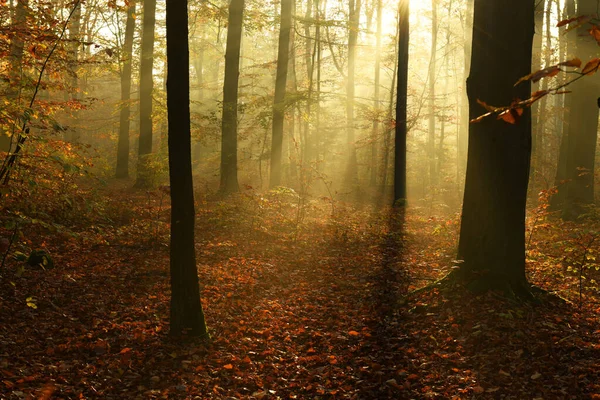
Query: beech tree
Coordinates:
[280,88]
[146,88]
[229,175]
[583,127]
[186,312]
[492,234]
[401,105]
[122,170]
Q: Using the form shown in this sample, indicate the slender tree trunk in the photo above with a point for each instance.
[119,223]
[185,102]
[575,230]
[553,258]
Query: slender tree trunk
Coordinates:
[293,87]
[376,96]
[280,89]
[16,48]
[144,178]
[541,60]
[583,128]
[353,26]
[401,107]
[186,314]
[492,234]
[569,41]
[122,170]
[432,106]
[229,175]
[74,39]
[387,139]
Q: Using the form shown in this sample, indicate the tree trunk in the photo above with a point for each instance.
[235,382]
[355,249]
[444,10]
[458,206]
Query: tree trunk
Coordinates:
[16,48]
[401,107]
[122,170]
[353,26]
[229,177]
[463,133]
[569,42]
[376,96]
[492,235]
[280,89]
[144,178]
[583,128]
[74,39]
[186,314]
[432,77]
[387,138]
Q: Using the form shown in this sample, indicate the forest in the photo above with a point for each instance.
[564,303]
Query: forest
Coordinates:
[299,199]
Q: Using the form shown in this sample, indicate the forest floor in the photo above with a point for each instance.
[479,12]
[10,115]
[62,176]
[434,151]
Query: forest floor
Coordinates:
[303,299]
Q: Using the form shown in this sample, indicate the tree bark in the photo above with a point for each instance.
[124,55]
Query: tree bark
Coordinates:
[186,314]
[144,178]
[376,96]
[283,56]
[432,77]
[229,176]
[401,107]
[353,26]
[74,39]
[569,42]
[122,169]
[492,234]
[583,128]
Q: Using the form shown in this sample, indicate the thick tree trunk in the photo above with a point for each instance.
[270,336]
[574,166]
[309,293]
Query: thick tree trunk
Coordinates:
[283,56]
[492,235]
[583,127]
[401,106]
[122,170]
[229,176]
[186,315]
[144,178]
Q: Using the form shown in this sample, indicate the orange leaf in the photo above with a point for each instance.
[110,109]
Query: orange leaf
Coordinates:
[542,73]
[511,116]
[595,32]
[228,366]
[353,333]
[581,20]
[566,21]
[575,62]
[591,67]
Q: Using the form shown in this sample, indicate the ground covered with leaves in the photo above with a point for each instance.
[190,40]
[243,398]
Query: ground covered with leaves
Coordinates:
[304,298]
